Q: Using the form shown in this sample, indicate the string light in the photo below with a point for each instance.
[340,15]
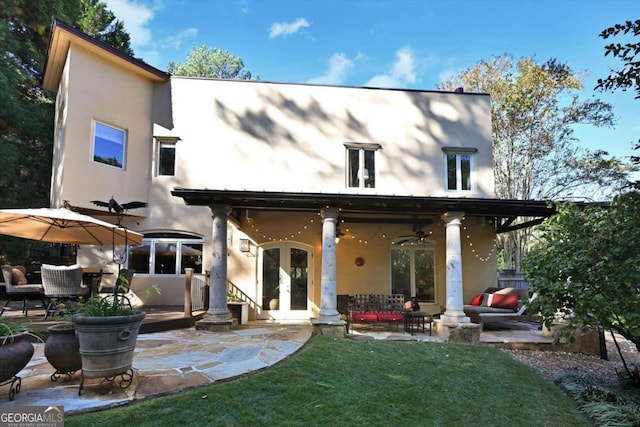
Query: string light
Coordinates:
[486,258]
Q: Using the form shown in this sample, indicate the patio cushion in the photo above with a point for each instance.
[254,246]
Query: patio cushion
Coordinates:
[390,316]
[477,300]
[363,316]
[509,301]
[17,277]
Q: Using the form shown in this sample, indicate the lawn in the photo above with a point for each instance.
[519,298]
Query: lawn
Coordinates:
[336,381]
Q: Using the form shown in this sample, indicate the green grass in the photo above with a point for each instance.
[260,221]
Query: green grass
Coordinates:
[336,381]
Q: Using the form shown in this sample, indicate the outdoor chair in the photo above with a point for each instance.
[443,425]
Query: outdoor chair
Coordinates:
[121,287]
[17,289]
[62,284]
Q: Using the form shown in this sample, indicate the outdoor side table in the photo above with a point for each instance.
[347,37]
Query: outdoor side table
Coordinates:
[417,319]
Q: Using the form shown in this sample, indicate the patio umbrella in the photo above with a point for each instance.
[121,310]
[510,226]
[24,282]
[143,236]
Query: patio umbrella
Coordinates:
[64,226]
[165,248]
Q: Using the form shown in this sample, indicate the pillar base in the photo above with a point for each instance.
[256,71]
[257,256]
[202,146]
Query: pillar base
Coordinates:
[216,324]
[334,328]
[464,333]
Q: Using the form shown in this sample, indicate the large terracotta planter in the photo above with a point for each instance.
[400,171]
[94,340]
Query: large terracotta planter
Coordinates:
[62,351]
[107,343]
[15,353]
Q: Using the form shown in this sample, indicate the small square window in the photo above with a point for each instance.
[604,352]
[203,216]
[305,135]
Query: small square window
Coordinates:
[167,158]
[109,144]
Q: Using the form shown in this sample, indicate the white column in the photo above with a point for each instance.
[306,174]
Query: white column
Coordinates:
[328,299]
[454,313]
[218,289]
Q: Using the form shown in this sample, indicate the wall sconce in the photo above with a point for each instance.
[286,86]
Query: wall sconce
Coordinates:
[244,245]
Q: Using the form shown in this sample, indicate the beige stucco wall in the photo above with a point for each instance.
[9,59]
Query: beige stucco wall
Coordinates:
[234,132]
[96,90]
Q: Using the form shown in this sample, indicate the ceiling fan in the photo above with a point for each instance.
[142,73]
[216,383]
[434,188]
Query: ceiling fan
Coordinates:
[418,237]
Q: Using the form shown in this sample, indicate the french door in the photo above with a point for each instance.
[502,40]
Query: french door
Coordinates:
[285,280]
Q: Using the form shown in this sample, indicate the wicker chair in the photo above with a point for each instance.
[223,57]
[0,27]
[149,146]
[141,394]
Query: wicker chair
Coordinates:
[20,290]
[62,284]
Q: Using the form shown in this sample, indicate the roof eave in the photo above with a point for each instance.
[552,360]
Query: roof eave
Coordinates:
[63,35]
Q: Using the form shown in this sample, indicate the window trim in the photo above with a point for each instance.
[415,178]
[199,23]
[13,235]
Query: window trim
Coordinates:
[162,141]
[362,147]
[125,137]
[178,239]
[458,152]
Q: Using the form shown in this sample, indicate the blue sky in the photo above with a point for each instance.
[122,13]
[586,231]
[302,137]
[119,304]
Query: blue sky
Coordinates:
[391,43]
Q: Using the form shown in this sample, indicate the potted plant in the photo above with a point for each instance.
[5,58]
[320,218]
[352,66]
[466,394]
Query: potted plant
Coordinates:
[107,330]
[61,347]
[16,349]
[274,302]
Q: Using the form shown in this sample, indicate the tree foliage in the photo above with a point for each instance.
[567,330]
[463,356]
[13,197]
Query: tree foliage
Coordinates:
[628,53]
[534,106]
[629,76]
[585,267]
[204,61]
[99,22]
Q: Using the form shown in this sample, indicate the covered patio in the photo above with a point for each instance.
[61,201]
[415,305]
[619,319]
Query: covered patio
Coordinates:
[445,215]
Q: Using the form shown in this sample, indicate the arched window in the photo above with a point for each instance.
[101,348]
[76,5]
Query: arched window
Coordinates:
[167,253]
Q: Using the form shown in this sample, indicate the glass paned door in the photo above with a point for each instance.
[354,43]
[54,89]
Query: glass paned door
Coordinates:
[271,279]
[285,277]
[299,274]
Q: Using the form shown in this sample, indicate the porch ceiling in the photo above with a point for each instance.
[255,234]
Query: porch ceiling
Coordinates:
[505,212]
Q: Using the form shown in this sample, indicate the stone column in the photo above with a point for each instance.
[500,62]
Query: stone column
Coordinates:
[454,313]
[218,317]
[328,321]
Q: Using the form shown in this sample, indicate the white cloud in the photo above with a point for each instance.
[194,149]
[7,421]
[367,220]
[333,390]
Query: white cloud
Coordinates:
[285,28]
[176,40]
[136,18]
[339,65]
[402,73]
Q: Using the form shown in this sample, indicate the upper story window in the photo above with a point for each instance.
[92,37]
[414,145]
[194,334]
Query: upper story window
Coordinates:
[166,160]
[459,167]
[109,145]
[361,165]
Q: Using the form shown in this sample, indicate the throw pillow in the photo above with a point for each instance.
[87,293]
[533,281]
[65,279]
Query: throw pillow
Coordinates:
[17,277]
[505,301]
[477,300]
[486,299]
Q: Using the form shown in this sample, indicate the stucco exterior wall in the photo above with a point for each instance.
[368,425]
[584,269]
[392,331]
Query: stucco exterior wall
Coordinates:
[96,90]
[232,133]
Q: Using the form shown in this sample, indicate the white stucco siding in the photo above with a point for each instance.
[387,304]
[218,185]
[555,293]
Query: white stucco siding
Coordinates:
[97,90]
[286,137]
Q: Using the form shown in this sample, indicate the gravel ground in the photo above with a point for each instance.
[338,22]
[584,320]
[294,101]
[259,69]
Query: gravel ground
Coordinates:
[554,365]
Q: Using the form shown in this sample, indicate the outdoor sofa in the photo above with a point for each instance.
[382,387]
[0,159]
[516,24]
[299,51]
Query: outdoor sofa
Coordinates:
[498,305]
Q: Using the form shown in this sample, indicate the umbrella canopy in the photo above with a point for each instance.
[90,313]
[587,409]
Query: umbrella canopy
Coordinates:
[165,248]
[64,226]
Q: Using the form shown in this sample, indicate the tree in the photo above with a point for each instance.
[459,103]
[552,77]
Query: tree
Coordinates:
[533,108]
[99,22]
[585,268]
[629,76]
[210,62]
